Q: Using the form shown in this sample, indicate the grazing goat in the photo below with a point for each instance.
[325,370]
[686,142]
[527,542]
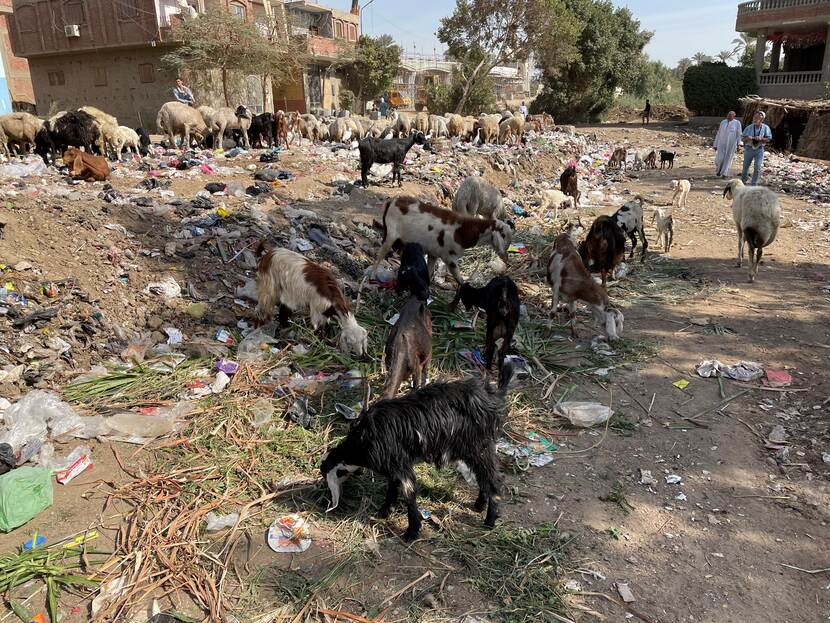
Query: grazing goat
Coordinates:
[455,125]
[651,160]
[401,123]
[681,192]
[443,234]
[489,128]
[409,347]
[85,166]
[617,159]
[630,219]
[373,150]
[664,224]
[73,129]
[442,424]
[757,215]
[500,301]
[281,129]
[222,119]
[143,141]
[511,128]
[475,197]
[413,274]
[603,248]
[102,120]
[667,159]
[569,183]
[262,129]
[569,279]
[438,127]
[20,129]
[120,138]
[175,118]
[421,123]
[296,284]
[556,199]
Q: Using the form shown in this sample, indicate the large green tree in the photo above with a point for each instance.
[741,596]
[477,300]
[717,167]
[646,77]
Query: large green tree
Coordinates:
[610,54]
[370,72]
[481,34]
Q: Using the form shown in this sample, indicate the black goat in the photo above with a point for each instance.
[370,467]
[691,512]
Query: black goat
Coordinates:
[143,141]
[409,347]
[442,423]
[262,128]
[74,129]
[386,151]
[413,275]
[667,158]
[500,301]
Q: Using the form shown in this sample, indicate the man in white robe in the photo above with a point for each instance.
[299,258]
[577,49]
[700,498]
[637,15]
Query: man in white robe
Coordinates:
[726,143]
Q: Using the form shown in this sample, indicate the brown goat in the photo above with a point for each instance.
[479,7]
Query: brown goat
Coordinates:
[651,160]
[569,184]
[617,159]
[603,248]
[409,347]
[281,133]
[86,166]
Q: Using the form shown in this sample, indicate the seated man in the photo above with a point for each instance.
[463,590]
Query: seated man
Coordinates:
[183,94]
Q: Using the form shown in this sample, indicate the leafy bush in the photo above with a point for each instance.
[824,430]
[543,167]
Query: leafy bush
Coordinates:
[712,89]
[439,99]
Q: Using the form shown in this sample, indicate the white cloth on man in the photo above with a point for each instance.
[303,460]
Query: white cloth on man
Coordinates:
[726,142]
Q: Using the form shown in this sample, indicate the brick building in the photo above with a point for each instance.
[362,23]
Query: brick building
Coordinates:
[16,91]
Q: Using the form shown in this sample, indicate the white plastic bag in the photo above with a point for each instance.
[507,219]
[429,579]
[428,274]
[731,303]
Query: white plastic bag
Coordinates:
[39,414]
[584,414]
[215,521]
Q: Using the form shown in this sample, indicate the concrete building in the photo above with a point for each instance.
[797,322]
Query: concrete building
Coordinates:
[798,31]
[16,92]
[330,36]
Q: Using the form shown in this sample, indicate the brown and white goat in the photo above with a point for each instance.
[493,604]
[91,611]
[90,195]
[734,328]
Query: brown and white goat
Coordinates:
[409,347]
[571,281]
[296,284]
[443,234]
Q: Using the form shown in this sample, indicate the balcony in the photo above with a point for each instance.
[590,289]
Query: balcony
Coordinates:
[799,85]
[760,14]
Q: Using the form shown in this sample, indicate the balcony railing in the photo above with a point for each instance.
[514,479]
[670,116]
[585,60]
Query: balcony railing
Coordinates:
[771,5]
[790,77]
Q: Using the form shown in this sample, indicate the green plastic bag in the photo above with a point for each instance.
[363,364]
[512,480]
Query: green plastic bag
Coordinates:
[24,493]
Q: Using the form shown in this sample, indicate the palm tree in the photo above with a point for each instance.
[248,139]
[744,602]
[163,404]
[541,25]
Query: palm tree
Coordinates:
[726,55]
[700,57]
[682,65]
[742,42]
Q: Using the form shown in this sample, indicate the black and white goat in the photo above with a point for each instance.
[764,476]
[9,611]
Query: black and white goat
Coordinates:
[392,151]
[409,347]
[413,274]
[442,424]
[500,301]
[630,219]
[296,284]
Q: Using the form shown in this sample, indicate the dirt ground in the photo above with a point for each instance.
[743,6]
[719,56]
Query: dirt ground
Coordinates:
[742,537]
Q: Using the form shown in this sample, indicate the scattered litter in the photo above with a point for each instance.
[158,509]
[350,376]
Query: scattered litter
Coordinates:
[174,336]
[80,460]
[625,592]
[224,336]
[289,534]
[301,413]
[742,371]
[778,378]
[346,411]
[537,451]
[681,497]
[167,287]
[24,493]
[646,478]
[215,521]
[778,435]
[673,479]
[681,384]
[584,414]
[227,366]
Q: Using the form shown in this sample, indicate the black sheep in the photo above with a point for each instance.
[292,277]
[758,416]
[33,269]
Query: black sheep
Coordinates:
[143,141]
[73,129]
[386,151]
[442,423]
[500,301]
[413,275]
[262,129]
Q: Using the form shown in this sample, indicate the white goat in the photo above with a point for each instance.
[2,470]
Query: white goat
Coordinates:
[681,192]
[664,224]
[475,197]
[119,137]
[443,234]
[757,215]
[297,284]
[556,199]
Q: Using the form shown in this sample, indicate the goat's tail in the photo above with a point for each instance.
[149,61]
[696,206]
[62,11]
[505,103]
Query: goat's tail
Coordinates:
[505,374]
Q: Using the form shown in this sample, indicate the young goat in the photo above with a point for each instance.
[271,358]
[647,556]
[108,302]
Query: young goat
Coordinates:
[556,199]
[681,192]
[442,423]
[617,159]
[413,274]
[757,215]
[651,160]
[603,248]
[569,279]
[664,224]
[569,183]
[500,301]
[443,234]
[630,219]
[287,279]
[409,347]
[667,159]
[392,151]
[475,197]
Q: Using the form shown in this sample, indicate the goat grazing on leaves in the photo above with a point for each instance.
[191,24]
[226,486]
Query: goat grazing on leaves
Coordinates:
[475,197]
[664,224]
[681,190]
[296,284]
[442,424]
[630,219]
[570,280]
[373,150]
[500,301]
[603,248]
[443,234]
[413,274]
[757,215]
[409,347]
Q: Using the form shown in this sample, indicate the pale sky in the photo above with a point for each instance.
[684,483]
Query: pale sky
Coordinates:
[680,28]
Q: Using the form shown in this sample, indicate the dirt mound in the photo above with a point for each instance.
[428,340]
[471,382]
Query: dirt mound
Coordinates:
[627,114]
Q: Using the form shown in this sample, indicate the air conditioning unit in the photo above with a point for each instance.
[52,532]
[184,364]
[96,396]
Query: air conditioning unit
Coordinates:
[72,30]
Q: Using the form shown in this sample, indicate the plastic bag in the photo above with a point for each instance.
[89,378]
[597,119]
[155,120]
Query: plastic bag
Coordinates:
[215,521]
[34,166]
[584,414]
[37,415]
[253,346]
[24,493]
[261,412]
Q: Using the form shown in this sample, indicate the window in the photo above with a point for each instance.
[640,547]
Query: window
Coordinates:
[26,19]
[146,73]
[338,29]
[56,78]
[238,10]
[73,12]
[100,76]
[127,9]
[314,31]
[352,32]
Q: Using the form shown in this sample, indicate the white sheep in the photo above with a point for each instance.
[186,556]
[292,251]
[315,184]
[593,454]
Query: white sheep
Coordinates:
[556,199]
[475,197]
[222,119]
[119,137]
[296,284]
[438,127]
[681,192]
[757,215]
[175,118]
